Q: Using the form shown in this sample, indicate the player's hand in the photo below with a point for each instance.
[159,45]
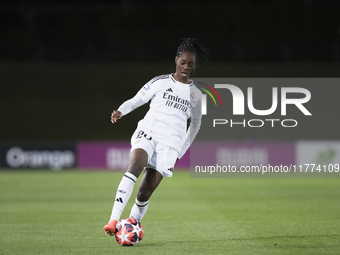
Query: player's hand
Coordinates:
[115,115]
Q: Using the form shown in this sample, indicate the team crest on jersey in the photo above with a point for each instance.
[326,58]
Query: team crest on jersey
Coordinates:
[137,140]
[192,95]
[146,87]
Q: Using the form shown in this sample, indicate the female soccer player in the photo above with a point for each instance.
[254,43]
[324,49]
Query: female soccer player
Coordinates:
[161,137]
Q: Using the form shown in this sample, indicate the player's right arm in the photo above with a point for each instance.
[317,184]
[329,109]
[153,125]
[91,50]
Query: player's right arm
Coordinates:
[142,97]
[115,115]
[126,107]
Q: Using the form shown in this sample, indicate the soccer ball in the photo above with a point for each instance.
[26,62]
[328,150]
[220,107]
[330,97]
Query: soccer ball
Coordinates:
[129,232]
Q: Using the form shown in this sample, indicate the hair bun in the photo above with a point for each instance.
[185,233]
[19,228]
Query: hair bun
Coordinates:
[193,46]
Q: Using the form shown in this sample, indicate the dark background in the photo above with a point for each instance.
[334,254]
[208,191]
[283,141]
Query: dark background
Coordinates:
[65,66]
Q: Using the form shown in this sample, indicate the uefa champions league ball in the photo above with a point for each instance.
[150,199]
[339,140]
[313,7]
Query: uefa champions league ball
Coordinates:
[129,232]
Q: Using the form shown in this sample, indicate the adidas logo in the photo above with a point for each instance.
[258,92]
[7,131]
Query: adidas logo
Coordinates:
[120,200]
[169,89]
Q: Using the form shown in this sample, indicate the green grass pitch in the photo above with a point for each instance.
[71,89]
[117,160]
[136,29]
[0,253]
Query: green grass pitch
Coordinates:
[44,212]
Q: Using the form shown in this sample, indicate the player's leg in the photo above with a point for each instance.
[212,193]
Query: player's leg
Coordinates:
[148,184]
[163,159]
[138,160]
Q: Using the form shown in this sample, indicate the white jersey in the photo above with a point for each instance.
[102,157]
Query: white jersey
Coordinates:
[172,104]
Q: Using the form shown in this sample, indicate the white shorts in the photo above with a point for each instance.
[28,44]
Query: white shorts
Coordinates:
[161,157]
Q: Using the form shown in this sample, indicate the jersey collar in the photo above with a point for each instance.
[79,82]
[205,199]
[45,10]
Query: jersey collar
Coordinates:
[173,79]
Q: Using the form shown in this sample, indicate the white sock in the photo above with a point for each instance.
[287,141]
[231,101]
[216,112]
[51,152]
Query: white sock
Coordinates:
[139,209]
[124,191]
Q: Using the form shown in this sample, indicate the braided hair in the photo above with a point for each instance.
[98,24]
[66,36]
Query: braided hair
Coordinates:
[193,46]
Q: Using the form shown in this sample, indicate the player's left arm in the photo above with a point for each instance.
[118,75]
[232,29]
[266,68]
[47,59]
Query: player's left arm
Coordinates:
[194,126]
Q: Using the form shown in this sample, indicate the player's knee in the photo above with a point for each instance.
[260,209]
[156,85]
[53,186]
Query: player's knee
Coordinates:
[135,169]
[138,161]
